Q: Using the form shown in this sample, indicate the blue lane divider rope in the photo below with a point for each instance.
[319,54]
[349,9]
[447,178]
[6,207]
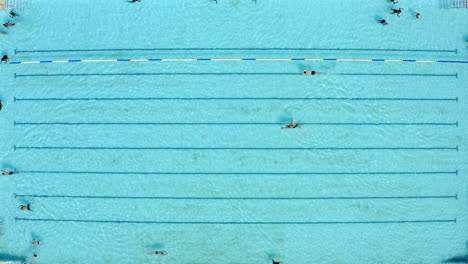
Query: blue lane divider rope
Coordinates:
[239,59]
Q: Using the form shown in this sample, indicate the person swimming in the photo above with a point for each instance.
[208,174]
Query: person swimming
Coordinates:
[275,262]
[5,59]
[134,1]
[13,14]
[158,253]
[1,107]
[9,172]
[307,72]
[396,11]
[36,242]
[383,22]
[418,16]
[25,207]
[292,125]
[394,2]
[8,24]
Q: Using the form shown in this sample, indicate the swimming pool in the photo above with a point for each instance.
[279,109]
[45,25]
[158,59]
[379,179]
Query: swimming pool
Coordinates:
[121,158]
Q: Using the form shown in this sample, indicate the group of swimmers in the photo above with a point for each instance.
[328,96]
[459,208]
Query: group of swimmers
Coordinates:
[38,243]
[396,12]
[26,207]
[8,24]
[34,243]
[158,252]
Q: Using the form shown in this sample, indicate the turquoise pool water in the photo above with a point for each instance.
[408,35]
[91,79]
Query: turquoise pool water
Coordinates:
[124,158]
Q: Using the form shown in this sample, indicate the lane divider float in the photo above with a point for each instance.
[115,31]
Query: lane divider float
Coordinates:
[237,59]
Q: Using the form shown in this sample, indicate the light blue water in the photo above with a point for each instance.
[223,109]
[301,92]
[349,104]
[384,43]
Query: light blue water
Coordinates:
[372,193]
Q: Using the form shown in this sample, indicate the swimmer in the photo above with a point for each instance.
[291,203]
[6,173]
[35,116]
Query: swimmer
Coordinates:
[394,2]
[158,253]
[396,11]
[8,24]
[307,72]
[292,125]
[25,207]
[13,14]
[418,16]
[1,106]
[133,1]
[9,172]
[36,242]
[5,59]
[275,262]
[34,256]
[383,22]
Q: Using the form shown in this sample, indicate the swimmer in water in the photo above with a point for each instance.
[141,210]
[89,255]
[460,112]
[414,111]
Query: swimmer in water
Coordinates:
[25,207]
[34,256]
[418,16]
[1,106]
[394,2]
[134,1]
[396,11]
[275,262]
[36,242]
[383,22]
[292,125]
[307,72]
[5,59]
[9,172]
[13,14]
[158,253]
[8,24]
